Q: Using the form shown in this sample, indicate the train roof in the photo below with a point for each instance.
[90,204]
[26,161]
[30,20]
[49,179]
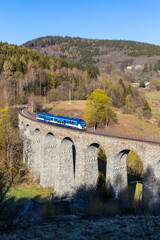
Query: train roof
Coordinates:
[66,118]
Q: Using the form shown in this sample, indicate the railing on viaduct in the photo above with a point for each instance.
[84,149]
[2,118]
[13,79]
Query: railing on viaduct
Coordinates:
[105,132]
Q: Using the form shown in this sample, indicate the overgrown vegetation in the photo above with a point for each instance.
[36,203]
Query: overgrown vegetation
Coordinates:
[11,167]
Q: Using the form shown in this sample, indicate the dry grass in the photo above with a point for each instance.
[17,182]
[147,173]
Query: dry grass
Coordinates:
[127,123]
[76,105]
[154,101]
[64,108]
[132,124]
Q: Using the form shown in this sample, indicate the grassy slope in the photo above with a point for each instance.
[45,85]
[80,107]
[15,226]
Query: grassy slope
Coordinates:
[127,123]
[23,193]
[154,100]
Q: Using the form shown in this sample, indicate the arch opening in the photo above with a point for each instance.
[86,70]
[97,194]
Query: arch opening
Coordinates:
[27,129]
[135,177]
[95,163]
[129,176]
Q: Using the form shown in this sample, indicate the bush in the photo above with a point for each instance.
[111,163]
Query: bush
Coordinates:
[94,200]
[103,192]
[48,210]
[147,114]
[100,208]
[142,84]
[83,197]
[156,83]
[37,107]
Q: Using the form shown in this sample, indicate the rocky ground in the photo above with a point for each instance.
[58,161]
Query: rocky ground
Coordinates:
[72,227]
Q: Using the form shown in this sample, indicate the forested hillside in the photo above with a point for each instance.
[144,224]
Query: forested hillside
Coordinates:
[118,53]
[26,74]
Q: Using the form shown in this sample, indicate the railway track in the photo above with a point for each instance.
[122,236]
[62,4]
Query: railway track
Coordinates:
[140,138]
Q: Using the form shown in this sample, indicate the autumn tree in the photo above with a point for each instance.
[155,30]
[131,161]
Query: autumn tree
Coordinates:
[156,83]
[99,108]
[11,167]
[129,104]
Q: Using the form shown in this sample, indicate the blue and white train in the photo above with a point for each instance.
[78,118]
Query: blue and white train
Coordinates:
[62,121]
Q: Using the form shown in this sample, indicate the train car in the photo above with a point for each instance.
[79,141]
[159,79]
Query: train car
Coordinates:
[62,121]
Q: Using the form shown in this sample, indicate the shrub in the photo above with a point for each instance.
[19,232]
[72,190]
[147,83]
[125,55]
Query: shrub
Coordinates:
[103,192]
[48,210]
[100,208]
[83,197]
[142,84]
[37,107]
[147,112]
[156,83]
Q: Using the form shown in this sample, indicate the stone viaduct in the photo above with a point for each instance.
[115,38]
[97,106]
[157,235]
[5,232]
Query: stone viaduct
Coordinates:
[67,158]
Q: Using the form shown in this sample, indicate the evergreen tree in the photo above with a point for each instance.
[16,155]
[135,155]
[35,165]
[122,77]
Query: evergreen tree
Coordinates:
[146,106]
[145,69]
[150,67]
[147,112]
[103,192]
[158,65]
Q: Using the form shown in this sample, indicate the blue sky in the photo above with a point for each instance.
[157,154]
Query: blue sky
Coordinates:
[24,20]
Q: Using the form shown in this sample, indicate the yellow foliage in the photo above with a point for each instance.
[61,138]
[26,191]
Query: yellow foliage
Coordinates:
[51,78]
[102,154]
[134,164]
[129,104]
[97,104]
[5,129]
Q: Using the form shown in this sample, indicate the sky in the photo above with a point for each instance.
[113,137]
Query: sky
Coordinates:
[24,20]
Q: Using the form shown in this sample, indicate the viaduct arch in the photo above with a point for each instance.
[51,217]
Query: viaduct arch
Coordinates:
[66,159]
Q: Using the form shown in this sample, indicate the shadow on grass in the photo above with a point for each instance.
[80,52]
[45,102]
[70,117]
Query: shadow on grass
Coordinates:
[89,201]
[16,213]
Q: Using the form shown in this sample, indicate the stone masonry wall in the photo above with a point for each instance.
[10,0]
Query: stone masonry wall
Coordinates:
[52,159]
